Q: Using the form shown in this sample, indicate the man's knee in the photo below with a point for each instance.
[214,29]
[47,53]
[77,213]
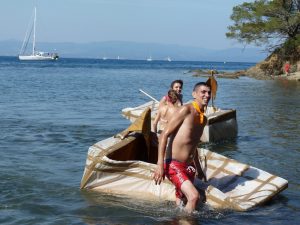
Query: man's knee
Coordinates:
[190,191]
[194,195]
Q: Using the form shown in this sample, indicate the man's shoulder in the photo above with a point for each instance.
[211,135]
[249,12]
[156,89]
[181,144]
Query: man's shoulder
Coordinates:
[163,98]
[186,109]
[188,105]
[162,101]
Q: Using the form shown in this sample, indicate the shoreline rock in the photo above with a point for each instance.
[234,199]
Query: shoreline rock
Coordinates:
[218,74]
[254,72]
[257,73]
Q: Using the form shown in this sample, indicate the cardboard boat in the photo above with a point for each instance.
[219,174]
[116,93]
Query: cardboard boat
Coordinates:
[221,123]
[124,164]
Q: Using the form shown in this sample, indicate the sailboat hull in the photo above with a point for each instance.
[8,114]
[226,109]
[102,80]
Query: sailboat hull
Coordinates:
[37,57]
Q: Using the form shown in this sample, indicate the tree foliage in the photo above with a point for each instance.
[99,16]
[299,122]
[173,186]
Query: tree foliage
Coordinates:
[273,23]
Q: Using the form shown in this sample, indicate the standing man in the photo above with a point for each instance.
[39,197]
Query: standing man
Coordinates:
[184,129]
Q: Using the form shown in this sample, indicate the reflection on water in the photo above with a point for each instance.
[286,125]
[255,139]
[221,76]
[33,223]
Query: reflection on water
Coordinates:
[163,212]
[188,220]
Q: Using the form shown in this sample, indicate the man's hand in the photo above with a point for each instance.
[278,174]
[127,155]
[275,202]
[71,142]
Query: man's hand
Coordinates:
[159,174]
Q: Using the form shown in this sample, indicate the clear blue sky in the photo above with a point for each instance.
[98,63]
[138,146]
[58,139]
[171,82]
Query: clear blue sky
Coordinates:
[199,23]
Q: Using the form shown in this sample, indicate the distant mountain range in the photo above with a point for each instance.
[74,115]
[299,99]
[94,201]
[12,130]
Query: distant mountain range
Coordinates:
[133,50]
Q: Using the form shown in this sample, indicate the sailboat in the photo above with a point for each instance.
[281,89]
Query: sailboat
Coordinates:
[34,55]
[169,59]
[149,59]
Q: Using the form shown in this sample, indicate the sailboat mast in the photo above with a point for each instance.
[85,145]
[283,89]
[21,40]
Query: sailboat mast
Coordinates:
[34,23]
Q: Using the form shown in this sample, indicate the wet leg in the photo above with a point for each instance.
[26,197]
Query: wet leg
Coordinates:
[192,195]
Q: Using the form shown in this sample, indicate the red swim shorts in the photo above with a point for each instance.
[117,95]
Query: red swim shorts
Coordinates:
[178,172]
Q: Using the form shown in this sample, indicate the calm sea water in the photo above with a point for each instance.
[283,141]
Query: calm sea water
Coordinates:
[51,112]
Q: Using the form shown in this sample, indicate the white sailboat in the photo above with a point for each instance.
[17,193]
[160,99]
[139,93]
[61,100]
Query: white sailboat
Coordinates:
[34,55]
[169,59]
[149,59]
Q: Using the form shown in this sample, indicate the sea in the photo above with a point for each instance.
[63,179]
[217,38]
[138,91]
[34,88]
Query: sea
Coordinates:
[51,112]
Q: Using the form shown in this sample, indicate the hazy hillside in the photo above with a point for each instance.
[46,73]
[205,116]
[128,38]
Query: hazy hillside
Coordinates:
[133,50]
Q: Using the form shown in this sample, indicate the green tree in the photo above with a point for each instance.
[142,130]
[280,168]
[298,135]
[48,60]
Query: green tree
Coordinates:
[274,24]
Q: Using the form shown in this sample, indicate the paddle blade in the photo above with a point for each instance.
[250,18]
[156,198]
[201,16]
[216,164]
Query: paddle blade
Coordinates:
[213,85]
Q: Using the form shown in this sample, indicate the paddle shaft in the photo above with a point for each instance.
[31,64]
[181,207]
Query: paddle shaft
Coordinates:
[154,99]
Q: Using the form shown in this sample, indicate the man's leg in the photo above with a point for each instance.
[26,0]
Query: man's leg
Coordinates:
[192,195]
[178,201]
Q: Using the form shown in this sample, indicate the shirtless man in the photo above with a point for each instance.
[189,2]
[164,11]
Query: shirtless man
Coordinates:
[177,86]
[185,127]
[165,111]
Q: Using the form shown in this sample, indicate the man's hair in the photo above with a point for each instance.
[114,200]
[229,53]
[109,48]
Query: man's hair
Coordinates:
[200,84]
[172,96]
[176,81]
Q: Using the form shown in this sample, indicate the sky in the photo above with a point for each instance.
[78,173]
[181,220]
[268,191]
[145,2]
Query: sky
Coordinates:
[198,23]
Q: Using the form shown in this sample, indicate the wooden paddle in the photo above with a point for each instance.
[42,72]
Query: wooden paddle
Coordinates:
[154,99]
[213,87]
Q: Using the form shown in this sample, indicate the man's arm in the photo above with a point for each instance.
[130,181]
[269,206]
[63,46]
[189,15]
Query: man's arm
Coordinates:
[175,121]
[162,102]
[155,122]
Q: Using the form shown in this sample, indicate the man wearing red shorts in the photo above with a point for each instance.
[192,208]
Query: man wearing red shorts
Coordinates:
[178,172]
[185,127]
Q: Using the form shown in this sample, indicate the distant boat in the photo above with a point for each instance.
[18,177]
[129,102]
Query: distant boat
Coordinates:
[149,59]
[169,59]
[34,55]
[104,58]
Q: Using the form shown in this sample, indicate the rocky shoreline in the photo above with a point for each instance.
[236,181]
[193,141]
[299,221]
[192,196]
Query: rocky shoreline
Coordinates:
[253,72]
